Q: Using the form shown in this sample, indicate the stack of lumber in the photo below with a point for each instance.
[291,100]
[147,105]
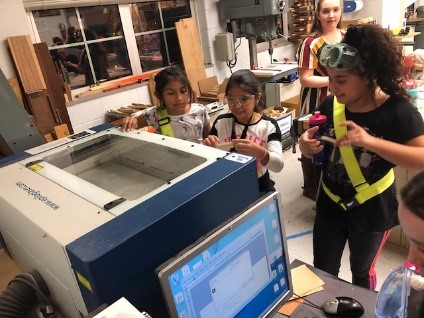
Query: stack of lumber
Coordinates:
[119,83]
[302,16]
[41,91]
[124,111]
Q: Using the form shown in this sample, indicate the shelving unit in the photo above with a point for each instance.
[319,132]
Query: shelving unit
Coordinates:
[302,15]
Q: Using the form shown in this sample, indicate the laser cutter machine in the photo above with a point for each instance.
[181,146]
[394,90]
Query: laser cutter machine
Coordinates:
[96,215]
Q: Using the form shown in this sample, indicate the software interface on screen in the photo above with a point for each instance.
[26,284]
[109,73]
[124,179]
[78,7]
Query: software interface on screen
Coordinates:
[240,273]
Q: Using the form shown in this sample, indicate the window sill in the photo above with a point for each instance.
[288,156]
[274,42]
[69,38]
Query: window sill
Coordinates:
[100,94]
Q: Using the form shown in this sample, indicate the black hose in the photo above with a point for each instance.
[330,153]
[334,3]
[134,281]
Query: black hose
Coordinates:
[23,293]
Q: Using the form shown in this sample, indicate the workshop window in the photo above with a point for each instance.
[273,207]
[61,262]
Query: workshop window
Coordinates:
[87,42]
[154,29]
[90,45]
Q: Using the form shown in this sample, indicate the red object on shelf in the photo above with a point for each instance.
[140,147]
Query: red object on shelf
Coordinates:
[408,66]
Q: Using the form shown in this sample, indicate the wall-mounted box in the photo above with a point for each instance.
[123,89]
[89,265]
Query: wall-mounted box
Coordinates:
[224,43]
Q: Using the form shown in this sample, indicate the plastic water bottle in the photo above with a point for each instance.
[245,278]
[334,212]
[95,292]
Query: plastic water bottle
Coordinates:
[413,92]
[320,120]
[401,294]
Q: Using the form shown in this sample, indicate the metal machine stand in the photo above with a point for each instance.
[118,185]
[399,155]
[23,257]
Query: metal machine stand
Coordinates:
[17,132]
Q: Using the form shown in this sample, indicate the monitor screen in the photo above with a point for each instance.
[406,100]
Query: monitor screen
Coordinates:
[240,269]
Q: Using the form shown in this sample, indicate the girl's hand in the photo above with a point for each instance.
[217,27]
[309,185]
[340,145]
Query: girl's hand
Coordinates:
[129,123]
[211,141]
[308,145]
[248,147]
[356,135]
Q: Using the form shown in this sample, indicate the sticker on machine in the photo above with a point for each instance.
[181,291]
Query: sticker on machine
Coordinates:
[238,157]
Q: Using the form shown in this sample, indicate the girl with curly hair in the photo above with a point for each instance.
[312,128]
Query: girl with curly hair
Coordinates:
[371,128]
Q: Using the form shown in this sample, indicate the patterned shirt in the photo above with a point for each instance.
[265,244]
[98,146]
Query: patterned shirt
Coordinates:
[308,58]
[187,127]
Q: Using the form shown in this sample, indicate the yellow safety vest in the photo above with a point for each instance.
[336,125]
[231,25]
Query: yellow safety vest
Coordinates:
[364,190]
[165,123]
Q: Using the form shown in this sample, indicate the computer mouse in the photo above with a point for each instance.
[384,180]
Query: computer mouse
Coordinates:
[343,307]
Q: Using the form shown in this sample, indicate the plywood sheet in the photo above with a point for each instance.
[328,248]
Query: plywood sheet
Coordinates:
[54,86]
[40,107]
[191,51]
[26,62]
[61,131]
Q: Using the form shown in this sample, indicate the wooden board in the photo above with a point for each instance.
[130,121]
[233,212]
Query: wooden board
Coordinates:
[191,51]
[152,86]
[54,87]
[207,84]
[40,107]
[14,84]
[26,62]
[61,131]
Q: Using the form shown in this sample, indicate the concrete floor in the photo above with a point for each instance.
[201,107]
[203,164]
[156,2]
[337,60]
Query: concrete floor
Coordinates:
[299,218]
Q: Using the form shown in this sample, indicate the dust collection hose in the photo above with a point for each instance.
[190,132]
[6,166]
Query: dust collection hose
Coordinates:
[23,293]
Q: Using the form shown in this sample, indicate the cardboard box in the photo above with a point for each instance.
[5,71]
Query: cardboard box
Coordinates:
[292,103]
[210,90]
[283,116]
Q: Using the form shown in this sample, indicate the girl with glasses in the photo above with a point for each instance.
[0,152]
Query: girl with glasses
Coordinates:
[246,130]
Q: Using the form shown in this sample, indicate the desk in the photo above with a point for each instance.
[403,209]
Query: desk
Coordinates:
[275,71]
[333,287]
[407,39]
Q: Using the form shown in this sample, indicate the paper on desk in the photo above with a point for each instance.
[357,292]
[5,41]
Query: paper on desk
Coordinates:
[289,307]
[305,282]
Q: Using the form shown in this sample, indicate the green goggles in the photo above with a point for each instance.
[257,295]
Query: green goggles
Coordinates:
[341,56]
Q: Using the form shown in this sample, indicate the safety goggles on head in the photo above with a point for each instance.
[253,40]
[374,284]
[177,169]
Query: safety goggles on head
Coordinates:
[341,56]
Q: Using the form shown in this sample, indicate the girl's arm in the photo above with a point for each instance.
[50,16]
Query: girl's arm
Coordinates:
[408,155]
[131,123]
[206,130]
[308,79]
[275,163]
[270,157]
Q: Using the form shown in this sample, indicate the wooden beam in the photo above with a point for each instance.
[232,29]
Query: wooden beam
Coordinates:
[191,51]
[26,62]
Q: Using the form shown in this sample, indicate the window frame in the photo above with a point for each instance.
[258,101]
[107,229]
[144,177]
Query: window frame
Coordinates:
[129,36]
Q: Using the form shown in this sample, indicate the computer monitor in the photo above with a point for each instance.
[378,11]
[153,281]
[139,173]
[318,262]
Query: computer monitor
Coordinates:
[240,269]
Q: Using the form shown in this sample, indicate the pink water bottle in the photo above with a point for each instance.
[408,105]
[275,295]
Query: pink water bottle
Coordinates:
[320,120]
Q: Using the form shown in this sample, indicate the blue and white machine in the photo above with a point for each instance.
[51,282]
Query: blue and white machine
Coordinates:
[96,215]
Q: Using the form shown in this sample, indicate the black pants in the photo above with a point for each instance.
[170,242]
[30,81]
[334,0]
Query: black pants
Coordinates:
[311,177]
[266,184]
[329,240]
